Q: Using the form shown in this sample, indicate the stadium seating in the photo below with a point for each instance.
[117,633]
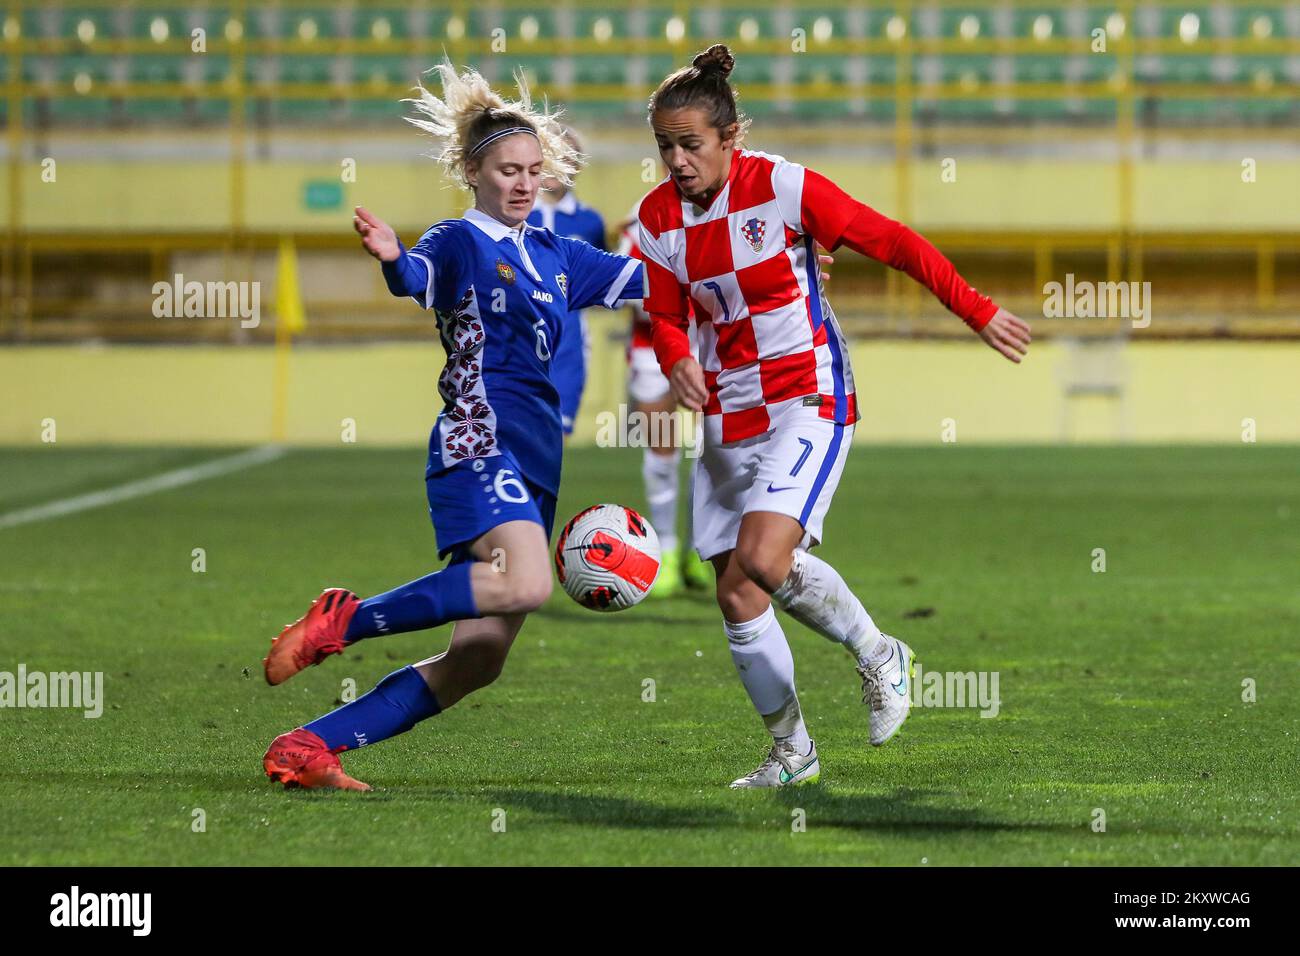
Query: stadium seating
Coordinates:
[1194,61]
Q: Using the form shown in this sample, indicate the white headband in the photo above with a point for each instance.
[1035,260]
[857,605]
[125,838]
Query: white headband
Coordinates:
[487,141]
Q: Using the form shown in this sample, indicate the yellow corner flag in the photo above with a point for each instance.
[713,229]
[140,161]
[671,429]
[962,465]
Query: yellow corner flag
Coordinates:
[289,314]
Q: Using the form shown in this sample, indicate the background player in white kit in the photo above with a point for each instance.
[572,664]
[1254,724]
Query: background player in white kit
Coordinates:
[651,395]
[732,234]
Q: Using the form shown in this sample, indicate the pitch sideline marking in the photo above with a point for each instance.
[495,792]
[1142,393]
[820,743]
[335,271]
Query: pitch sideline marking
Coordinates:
[144,486]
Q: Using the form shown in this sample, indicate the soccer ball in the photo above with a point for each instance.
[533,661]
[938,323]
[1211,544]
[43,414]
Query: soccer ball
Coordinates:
[607,557]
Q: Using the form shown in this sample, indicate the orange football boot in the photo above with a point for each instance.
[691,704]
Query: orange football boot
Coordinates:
[301,759]
[313,637]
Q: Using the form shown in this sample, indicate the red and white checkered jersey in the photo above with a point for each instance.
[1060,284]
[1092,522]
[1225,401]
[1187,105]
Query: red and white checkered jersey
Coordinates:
[749,264]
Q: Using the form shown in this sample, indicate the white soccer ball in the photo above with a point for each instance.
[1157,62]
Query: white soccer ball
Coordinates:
[607,557]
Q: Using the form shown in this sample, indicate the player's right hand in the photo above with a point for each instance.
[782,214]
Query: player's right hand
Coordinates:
[377,236]
[687,381]
[1007,333]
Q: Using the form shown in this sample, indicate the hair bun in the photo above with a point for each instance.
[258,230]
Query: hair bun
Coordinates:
[716,59]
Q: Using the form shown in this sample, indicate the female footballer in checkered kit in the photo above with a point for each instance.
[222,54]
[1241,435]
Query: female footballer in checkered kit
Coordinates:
[732,233]
[503,293]
[651,394]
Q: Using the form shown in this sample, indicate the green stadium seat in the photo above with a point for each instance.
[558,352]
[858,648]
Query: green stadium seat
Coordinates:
[1023,20]
[731,20]
[363,23]
[265,23]
[1245,16]
[1187,69]
[34,22]
[330,21]
[954,68]
[306,69]
[839,19]
[1162,20]
[156,68]
[599,69]
[140,22]
[540,69]
[74,109]
[512,20]
[656,28]
[391,70]
[1089,68]
[1253,66]
[378,110]
[63,21]
[754,71]
[586,20]
[951,20]
[811,68]
[881,69]
[35,69]
[1032,68]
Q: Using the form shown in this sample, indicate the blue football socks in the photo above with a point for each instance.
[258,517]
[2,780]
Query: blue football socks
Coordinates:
[426,602]
[395,705]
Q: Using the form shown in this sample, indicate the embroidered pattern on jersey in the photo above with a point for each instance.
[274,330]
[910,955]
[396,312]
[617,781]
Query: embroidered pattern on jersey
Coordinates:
[468,423]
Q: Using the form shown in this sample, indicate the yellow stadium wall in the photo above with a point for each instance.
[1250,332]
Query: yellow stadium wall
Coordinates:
[1183,392]
[988,195]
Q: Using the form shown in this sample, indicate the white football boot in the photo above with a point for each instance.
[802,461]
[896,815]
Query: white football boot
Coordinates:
[784,767]
[886,690]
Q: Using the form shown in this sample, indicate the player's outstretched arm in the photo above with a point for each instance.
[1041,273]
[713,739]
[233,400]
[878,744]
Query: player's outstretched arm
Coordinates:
[1007,333]
[377,236]
[835,218]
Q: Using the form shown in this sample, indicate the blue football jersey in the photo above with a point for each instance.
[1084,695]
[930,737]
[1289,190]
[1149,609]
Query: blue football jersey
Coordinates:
[502,298]
[569,217]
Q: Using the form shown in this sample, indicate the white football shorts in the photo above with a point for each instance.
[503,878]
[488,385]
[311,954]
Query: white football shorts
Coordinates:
[792,469]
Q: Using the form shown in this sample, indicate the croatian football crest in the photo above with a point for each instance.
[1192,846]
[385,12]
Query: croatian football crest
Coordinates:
[753,233]
[562,281]
[506,273]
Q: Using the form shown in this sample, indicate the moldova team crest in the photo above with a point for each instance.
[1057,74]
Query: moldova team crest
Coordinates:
[753,232]
[562,280]
[506,273]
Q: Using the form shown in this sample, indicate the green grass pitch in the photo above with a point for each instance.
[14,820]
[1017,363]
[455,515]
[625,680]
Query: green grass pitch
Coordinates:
[1120,691]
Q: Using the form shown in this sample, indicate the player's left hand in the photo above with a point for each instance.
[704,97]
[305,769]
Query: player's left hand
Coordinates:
[826,260]
[1008,334]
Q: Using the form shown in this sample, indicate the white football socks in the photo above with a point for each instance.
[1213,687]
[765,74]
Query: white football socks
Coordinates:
[766,667]
[815,595]
[659,472]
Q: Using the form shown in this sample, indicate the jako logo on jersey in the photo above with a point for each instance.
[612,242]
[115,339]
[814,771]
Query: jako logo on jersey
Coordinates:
[506,273]
[562,281]
[543,296]
[754,231]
